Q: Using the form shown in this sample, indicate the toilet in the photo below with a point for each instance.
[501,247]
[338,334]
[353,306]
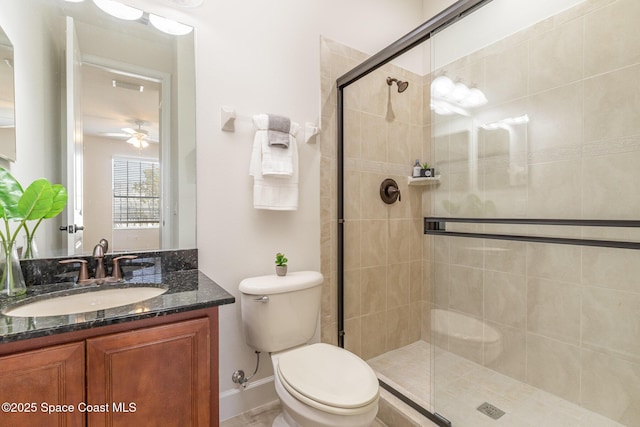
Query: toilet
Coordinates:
[319,385]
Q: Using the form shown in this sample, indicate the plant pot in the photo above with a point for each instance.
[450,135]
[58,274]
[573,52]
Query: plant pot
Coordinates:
[281,270]
[427,173]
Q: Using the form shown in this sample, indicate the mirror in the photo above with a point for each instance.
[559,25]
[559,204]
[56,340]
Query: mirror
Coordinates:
[7,101]
[109,111]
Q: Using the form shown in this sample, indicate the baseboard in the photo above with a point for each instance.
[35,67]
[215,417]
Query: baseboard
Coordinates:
[235,401]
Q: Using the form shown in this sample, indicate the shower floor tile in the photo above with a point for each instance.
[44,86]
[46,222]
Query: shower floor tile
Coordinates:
[460,386]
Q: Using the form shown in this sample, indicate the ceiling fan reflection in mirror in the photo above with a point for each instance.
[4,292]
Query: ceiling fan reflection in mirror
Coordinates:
[138,137]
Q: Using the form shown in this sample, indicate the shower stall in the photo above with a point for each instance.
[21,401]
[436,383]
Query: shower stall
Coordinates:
[505,289]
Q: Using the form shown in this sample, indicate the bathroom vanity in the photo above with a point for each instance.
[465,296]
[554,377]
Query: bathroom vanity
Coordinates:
[153,362]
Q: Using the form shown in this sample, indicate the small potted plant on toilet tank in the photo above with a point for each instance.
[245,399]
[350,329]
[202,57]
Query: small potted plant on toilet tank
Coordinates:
[281,264]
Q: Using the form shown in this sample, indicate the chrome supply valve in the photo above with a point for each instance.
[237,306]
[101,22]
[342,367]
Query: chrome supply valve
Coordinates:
[238,376]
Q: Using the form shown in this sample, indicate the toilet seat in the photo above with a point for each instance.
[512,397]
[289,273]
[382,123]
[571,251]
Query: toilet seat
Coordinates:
[328,378]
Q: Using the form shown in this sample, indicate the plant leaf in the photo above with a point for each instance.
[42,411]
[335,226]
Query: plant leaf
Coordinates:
[37,200]
[59,200]
[10,193]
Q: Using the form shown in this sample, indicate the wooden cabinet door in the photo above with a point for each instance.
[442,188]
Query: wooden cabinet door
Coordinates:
[43,387]
[159,376]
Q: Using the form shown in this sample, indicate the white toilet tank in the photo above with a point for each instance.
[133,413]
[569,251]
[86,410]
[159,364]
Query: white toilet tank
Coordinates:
[280,312]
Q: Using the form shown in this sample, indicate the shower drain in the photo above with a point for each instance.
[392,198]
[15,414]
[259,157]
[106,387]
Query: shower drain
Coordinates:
[490,410]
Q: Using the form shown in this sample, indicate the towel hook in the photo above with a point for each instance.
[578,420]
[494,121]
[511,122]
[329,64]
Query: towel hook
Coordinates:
[389,191]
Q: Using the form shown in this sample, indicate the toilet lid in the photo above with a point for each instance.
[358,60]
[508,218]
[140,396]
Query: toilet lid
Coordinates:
[329,375]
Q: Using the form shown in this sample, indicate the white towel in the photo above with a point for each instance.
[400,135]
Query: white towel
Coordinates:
[273,192]
[275,160]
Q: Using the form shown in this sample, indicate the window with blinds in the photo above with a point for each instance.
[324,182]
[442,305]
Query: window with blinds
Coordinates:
[136,193]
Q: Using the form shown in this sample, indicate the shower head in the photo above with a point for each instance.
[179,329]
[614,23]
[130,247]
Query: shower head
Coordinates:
[402,86]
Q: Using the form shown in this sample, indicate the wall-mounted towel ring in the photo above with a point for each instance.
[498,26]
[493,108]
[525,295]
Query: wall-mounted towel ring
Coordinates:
[389,191]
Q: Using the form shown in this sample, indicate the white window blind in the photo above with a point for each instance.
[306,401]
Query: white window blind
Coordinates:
[136,193]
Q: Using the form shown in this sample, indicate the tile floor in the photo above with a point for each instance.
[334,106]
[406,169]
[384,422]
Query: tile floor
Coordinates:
[461,386]
[263,416]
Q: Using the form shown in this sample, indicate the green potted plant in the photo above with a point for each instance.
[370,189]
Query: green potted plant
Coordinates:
[39,201]
[425,170]
[281,264]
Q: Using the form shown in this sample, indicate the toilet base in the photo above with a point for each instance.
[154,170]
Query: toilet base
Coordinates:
[280,421]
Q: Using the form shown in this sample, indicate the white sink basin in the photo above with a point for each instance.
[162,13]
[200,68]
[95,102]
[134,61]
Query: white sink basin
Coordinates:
[84,302]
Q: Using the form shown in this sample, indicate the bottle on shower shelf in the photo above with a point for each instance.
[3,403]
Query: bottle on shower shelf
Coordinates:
[416,169]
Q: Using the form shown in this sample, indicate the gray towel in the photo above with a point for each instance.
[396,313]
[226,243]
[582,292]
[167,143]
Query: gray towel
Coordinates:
[278,130]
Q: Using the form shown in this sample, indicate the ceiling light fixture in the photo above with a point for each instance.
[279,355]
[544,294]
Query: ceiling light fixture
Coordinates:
[138,141]
[169,26]
[119,10]
[126,85]
[448,97]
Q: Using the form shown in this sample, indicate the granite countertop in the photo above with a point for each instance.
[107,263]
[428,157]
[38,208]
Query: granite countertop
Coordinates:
[186,290]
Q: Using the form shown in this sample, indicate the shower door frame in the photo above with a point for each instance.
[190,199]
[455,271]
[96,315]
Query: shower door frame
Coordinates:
[420,34]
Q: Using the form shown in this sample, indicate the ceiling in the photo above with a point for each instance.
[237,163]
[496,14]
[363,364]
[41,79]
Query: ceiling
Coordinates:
[107,109]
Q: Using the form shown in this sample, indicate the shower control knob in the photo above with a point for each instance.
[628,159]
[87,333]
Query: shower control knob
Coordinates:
[389,191]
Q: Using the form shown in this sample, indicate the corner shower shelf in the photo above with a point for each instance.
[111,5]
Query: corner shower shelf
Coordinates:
[423,180]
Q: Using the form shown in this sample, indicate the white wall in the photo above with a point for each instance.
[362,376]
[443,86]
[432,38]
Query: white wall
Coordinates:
[258,57]
[37,128]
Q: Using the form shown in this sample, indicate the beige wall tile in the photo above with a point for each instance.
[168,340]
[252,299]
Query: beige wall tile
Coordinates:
[564,201]
[507,73]
[441,284]
[611,386]
[558,262]
[611,104]
[419,286]
[372,206]
[553,366]
[352,195]
[611,35]
[374,243]
[553,309]
[467,252]
[555,58]
[353,335]
[352,248]
[505,298]
[352,293]
[506,256]
[352,139]
[398,285]
[373,298]
[612,195]
[374,137]
[466,290]
[374,335]
[398,327]
[611,268]
[555,118]
[511,361]
[401,241]
[610,322]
